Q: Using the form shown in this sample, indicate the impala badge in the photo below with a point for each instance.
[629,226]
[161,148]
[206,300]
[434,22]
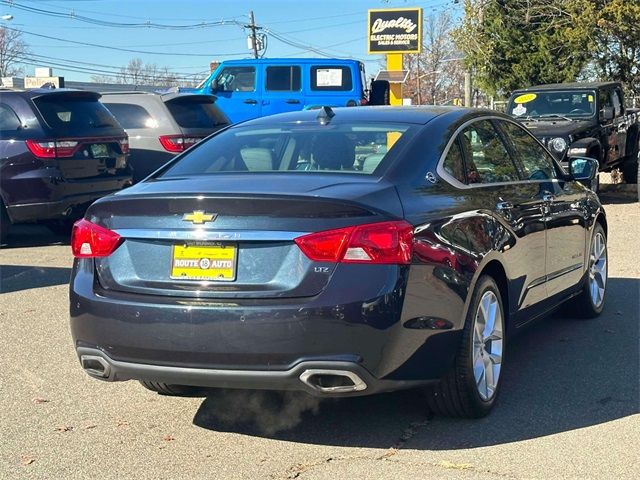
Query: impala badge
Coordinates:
[198,217]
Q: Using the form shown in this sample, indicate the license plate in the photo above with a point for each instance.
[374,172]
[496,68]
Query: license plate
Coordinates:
[99,150]
[204,262]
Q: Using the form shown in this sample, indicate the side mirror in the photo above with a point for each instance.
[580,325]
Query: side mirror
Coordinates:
[584,170]
[606,114]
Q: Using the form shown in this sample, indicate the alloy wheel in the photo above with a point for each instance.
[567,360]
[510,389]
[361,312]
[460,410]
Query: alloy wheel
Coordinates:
[487,345]
[598,269]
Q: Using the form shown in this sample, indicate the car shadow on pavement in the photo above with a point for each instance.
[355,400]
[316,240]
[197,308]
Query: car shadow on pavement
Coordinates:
[562,374]
[613,198]
[14,278]
[22,236]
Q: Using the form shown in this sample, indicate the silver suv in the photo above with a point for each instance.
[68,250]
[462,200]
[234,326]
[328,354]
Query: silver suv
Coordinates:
[162,125]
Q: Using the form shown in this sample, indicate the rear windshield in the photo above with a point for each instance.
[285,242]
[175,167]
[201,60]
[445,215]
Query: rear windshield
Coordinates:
[69,115]
[331,78]
[196,114]
[131,116]
[358,148]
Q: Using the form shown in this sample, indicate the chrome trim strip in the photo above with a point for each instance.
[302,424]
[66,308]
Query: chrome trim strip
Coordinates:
[204,234]
[442,173]
[564,271]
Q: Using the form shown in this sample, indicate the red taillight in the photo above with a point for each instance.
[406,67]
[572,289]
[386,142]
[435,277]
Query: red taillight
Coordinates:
[177,143]
[89,240]
[124,145]
[52,148]
[385,242]
[364,101]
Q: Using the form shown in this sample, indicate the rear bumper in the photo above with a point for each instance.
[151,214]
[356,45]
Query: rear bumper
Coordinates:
[263,343]
[64,200]
[301,377]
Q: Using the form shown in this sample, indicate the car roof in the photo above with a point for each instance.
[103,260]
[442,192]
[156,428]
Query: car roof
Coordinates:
[569,86]
[418,115]
[289,61]
[40,92]
[165,97]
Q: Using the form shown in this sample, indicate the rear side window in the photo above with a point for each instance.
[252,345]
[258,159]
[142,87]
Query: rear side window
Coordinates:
[454,164]
[196,114]
[8,118]
[283,79]
[346,148]
[131,116]
[487,159]
[334,78]
[536,162]
[68,115]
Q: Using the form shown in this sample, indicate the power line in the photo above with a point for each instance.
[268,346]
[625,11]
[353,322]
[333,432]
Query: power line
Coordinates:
[299,44]
[47,58]
[108,23]
[130,50]
[92,71]
[120,15]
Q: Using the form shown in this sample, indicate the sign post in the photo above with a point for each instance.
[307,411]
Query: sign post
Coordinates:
[395,31]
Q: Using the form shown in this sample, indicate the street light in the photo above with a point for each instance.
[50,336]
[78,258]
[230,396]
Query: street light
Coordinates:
[7,17]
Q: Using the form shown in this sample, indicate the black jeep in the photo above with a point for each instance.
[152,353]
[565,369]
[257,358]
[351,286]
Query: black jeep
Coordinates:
[582,119]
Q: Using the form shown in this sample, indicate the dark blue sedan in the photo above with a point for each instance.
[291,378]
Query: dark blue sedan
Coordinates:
[338,252]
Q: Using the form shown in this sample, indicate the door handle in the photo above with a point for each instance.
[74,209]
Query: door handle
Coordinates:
[292,100]
[251,101]
[548,197]
[502,206]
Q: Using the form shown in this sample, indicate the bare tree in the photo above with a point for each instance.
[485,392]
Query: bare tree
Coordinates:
[138,73]
[12,50]
[436,75]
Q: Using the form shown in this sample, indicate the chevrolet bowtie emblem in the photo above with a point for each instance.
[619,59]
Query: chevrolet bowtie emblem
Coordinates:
[198,217]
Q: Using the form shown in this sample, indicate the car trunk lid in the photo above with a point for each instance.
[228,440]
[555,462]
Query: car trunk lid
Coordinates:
[82,138]
[256,221]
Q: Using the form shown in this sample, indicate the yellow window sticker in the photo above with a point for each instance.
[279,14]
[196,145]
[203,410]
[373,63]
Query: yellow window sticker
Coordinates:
[590,98]
[527,97]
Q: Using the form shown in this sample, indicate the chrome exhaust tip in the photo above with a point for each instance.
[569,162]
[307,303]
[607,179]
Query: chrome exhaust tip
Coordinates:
[332,381]
[95,366]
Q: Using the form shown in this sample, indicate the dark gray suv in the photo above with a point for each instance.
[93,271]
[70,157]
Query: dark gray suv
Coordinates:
[163,125]
[60,150]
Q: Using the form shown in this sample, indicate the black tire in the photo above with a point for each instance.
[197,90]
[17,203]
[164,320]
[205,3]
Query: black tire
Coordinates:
[5,223]
[630,170]
[380,93]
[172,390]
[583,306]
[457,394]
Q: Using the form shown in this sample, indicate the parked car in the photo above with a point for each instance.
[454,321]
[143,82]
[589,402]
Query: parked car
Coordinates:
[582,119]
[59,151]
[255,88]
[266,258]
[162,125]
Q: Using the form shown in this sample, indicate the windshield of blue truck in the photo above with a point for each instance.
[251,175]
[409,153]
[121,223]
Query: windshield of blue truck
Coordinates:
[553,104]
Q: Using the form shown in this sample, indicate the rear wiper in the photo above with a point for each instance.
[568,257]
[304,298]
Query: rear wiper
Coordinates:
[555,115]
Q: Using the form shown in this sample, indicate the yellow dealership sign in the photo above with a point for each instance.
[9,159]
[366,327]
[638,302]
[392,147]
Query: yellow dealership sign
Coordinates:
[395,30]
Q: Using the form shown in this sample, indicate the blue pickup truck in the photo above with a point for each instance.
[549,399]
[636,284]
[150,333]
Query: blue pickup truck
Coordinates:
[254,88]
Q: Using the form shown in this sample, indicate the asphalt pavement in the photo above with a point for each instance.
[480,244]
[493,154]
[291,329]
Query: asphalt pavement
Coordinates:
[568,407]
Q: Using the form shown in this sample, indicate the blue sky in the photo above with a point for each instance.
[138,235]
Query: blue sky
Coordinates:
[334,27]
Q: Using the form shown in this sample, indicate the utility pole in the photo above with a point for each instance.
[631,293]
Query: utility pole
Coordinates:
[254,36]
[467,88]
